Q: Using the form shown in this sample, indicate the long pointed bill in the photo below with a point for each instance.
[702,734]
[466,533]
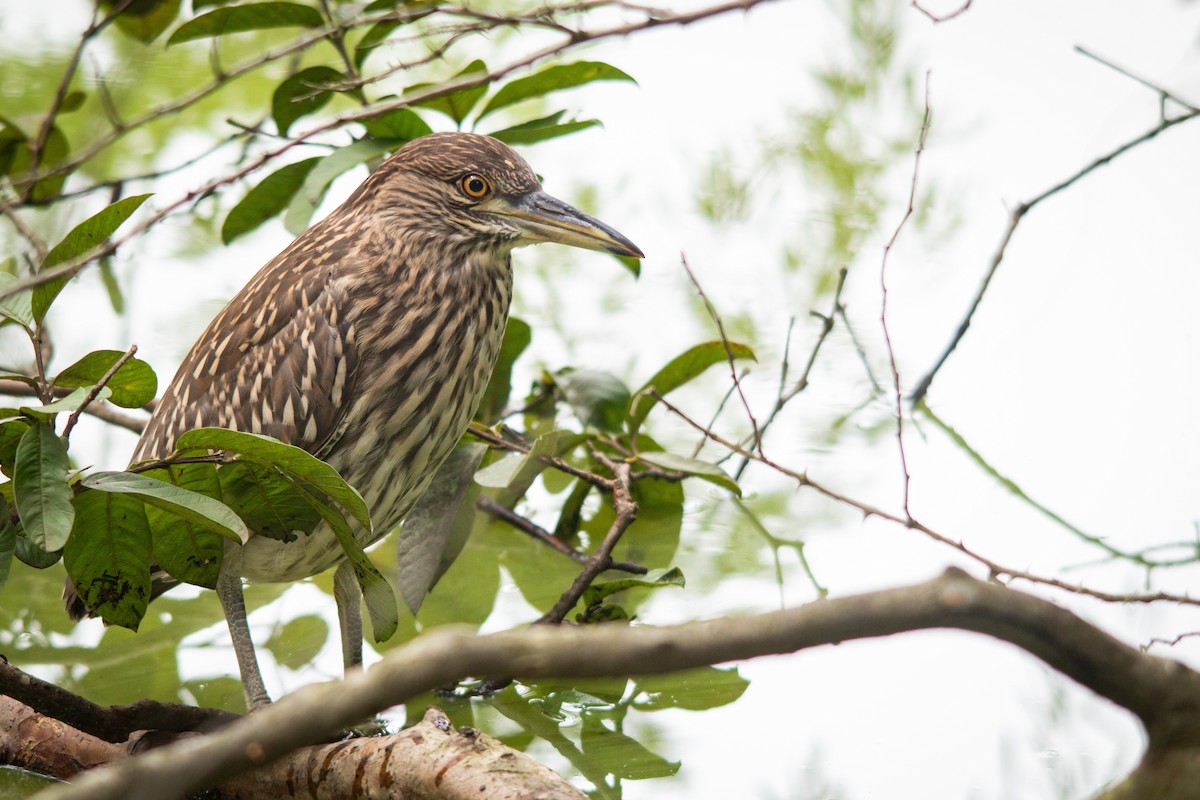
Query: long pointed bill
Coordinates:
[544,218]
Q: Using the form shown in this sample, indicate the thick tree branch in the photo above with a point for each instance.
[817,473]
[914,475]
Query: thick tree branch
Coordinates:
[1164,694]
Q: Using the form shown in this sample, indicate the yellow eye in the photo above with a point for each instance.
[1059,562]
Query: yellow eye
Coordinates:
[475,186]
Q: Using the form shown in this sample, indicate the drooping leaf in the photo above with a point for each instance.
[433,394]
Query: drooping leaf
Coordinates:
[301,94]
[144,20]
[247,17]
[377,592]
[652,580]
[681,369]
[266,501]
[40,487]
[188,552]
[316,183]
[268,198]
[551,79]
[705,470]
[694,689]
[539,130]
[111,287]
[132,386]
[303,466]
[458,103]
[437,527]
[399,124]
[83,238]
[192,506]
[108,556]
[8,541]
[599,399]
[617,754]
[17,307]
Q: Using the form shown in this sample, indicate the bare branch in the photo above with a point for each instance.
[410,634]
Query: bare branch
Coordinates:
[944,17]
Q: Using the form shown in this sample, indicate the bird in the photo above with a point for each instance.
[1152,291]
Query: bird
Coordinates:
[368,342]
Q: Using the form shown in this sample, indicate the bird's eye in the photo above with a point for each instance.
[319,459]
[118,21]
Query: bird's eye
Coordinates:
[475,186]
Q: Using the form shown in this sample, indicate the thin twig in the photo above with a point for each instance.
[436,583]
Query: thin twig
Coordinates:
[944,17]
[1154,87]
[716,318]
[883,321]
[502,512]
[1015,218]
[601,560]
[95,391]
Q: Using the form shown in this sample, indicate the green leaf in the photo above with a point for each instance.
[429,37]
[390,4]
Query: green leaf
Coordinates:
[377,592]
[693,690]
[705,470]
[551,79]
[8,541]
[299,464]
[681,369]
[144,20]
[517,474]
[132,386]
[40,487]
[599,399]
[539,130]
[266,501]
[188,552]
[69,403]
[17,307]
[652,580]
[83,238]
[376,33]
[458,103]
[249,17]
[270,197]
[109,278]
[32,555]
[302,94]
[298,641]
[192,506]
[400,124]
[316,183]
[10,436]
[619,755]
[436,529]
[108,556]
[20,159]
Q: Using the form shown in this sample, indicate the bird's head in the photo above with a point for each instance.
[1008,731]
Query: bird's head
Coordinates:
[479,188]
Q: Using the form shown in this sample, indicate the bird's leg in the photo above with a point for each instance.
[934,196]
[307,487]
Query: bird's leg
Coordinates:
[349,605]
[233,603]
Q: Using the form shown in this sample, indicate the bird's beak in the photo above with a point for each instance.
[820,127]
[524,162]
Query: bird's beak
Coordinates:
[543,218]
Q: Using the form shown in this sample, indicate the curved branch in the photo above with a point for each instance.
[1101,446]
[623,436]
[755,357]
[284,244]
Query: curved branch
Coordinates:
[1164,694]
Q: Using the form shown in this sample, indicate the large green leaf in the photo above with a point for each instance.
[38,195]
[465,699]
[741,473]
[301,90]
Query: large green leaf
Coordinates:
[301,94]
[399,124]
[538,130]
[17,307]
[268,198]
[562,76]
[308,469]
[40,487]
[599,399]
[108,556]
[83,238]
[437,527]
[266,500]
[694,689]
[8,541]
[192,506]
[705,470]
[457,104]
[684,367]
[132,386]
[316,183]
[615,753]
[187,551]
[248,17]
[517,336]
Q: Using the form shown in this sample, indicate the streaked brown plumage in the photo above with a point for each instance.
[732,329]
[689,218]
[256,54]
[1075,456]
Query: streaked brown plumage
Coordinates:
[369,341]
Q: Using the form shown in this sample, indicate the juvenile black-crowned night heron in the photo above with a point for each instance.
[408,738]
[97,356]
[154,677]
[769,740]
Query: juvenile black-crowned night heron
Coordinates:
[369,342]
